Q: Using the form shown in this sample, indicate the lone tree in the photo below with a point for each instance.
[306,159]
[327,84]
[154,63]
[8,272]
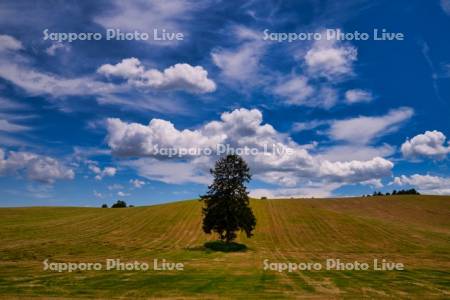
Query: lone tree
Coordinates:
[227,207]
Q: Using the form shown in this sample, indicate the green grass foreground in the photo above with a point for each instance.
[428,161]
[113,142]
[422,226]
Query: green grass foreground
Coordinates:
[413,230]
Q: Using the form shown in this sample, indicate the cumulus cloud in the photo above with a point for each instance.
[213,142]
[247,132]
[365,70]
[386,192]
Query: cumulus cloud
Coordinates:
[357,95]
[137,183]
[330,59]
[35,167]
[426,184]
[177,77]
[430,144]
[363,129]
[276,159]
[101,173]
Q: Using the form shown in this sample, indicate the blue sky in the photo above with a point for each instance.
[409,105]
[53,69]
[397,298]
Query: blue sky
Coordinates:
[81,122]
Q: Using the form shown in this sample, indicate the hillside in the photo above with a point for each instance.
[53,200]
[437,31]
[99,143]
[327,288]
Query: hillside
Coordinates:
[413,230]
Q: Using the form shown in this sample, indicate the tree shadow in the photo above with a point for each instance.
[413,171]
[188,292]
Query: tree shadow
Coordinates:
[219,246]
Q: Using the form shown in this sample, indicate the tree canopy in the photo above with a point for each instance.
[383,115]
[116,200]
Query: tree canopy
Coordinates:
[226,204]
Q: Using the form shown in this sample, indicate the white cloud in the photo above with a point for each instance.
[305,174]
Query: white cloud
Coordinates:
[7,126]
[14,68]
[355,151]
[241,64]
[137,183]
[285,163]
[363,130]
[296,90]
[354,171]
[100,174]
[9,43]
[8,104]
[314,190]
[98,194]
[35,167]
[53,48]
[38,83]
[122,194]
[426,184]
[376,183]
[330,59]
[430,144]
[177,77]
[169,171]
[325,63]
[310,125]
[357,95]
[357,136]
[115,186]
[144,16]
[445,5]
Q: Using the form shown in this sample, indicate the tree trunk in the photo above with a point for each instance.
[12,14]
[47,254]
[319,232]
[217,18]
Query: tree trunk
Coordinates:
[228,237]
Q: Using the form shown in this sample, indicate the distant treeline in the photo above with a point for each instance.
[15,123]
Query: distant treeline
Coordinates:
[394,193]
[118,204]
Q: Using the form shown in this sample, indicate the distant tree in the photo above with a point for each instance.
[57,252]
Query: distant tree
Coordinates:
[408,192]
[394,192]
[226,204]
[130,205]
[263,198]
[119,204]
[104,205]
[388,194]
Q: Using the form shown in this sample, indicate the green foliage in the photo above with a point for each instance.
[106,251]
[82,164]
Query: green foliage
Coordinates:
[119,204]
[104,205]
[226,204]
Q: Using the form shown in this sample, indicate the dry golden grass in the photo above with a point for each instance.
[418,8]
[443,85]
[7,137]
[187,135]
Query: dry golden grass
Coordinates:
[413,230]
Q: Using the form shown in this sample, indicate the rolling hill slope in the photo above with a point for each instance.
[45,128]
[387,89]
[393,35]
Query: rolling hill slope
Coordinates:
[413,230]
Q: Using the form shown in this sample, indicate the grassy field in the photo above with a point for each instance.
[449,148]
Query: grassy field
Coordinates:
[413,230]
